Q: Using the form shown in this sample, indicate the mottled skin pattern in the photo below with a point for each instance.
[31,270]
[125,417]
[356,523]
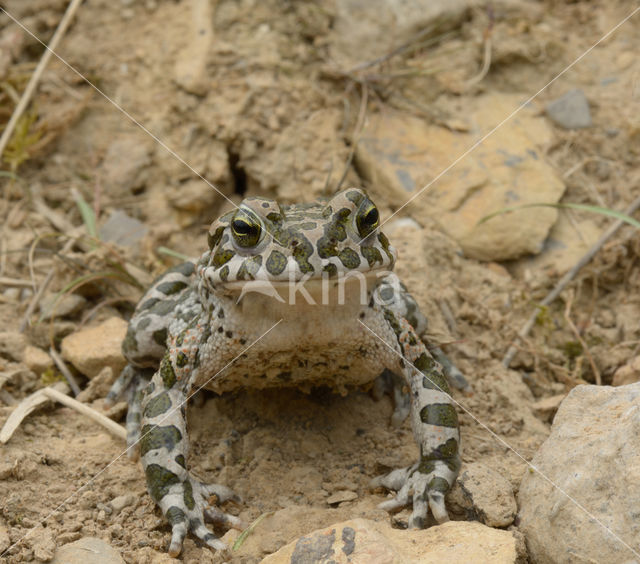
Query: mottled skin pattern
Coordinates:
[205,324]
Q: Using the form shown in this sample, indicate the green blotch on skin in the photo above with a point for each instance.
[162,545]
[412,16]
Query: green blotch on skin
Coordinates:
[276,262]
[349,258]
[392,320]
[224,273]
[182,360]
[441,414]
[382,238]
[166,372]
[154,437]
[158,405]
[188,495]
[159,481]
[170,288]
[222,257]
[249,268]
[160,337]
[180,460]
[214,238]
[148,304]
[447,450]
[301,254]
[355,196]
[275,218]
[130,343]
[426,466]
[184,268]
[331,269]
[175,515]
[439,485]
[371,254]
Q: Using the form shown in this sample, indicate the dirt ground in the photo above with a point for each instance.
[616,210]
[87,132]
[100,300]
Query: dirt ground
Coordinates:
[271,111]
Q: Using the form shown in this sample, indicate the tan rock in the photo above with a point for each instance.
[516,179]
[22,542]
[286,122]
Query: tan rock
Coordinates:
[627,374]
[484,494]
[12,345]
[90,350]
[343,495]
[546,408]
[36,359]
[361,541]
[402,154]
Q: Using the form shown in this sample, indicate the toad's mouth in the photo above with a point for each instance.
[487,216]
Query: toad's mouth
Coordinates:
[353,287]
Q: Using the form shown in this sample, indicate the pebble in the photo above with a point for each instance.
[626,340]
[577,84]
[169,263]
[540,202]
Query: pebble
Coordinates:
[570,111]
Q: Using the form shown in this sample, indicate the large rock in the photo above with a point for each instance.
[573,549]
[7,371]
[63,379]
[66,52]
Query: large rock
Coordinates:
[400,154]
[361,541]
[593,458]
[90,350]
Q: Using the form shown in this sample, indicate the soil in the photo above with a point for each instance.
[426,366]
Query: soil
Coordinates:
[273,113]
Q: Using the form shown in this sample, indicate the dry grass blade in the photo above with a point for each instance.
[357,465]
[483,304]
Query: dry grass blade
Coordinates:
[34,401]
[35,77]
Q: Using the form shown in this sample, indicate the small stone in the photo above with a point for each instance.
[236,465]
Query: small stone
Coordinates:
[570,111]
[66,305]
[339,497]
[87,549]
[627,374]
[122,230]
[120,502]
[546,408]
[483,494]
[12,345]
[90,350]
[36,359]
[126,163]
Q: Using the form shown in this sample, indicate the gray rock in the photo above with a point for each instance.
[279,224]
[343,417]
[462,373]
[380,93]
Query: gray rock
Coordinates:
[593,457]
[120,502]
[570,111]
[483,494]
[87,549]
[361,541]
[122,229]
[12,345]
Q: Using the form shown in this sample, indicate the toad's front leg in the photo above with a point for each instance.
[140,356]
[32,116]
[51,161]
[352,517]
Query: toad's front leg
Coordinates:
[182,499]
[435,426]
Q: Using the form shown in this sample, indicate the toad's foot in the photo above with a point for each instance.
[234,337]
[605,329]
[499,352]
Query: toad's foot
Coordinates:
[424,489]
[187,505]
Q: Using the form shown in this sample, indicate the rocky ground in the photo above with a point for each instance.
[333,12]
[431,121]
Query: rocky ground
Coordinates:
[291,100]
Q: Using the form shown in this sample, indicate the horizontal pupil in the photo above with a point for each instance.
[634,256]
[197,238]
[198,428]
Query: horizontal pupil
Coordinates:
[371,217]
[243,228]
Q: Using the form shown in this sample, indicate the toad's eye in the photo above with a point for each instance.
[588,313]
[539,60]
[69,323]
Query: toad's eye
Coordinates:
[368,218]
[246,229]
